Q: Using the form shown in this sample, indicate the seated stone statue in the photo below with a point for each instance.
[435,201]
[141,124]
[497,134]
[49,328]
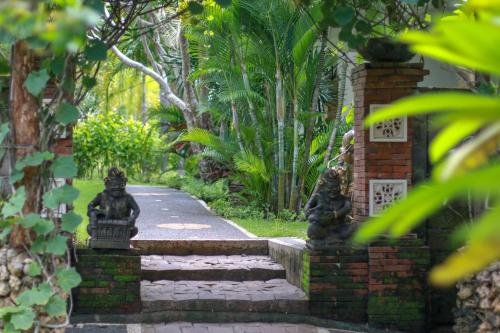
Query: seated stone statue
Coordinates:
[113,204]
[327,210]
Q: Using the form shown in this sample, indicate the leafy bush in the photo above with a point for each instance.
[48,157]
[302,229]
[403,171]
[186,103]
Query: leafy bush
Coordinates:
[226,208]
[103,141]
[206,192]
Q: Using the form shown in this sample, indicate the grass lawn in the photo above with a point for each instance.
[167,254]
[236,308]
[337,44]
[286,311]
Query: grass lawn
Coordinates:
[88,190]
[273,228]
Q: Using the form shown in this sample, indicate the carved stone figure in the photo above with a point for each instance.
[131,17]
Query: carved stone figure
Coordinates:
[327,210]
[112,214]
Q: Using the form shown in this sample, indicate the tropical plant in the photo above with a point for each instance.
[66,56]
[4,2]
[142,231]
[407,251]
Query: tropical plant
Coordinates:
[465,152]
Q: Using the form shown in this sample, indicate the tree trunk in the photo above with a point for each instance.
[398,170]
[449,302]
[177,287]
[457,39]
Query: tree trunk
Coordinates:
[280,116]
[236,125]
[310,121]
[25,132]
[293,188]
[340,105]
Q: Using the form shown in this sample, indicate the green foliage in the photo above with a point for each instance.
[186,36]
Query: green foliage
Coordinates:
[36,81]
[103,141]
[67,113]
[206,192]
[464,39]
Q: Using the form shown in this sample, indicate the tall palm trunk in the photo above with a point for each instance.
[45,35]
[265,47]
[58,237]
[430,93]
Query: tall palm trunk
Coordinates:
[293,187]
[310,121]
[236,125]
[340,105]
[280,116]
[251,109]
[272,121]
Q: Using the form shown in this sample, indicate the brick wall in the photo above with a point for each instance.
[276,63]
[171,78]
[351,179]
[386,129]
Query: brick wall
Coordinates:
[380,84]
[338,283]
[382,285]
[397,285]
[110,282]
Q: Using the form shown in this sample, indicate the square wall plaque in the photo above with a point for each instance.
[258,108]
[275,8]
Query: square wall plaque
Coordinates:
[384,192]
[393,130]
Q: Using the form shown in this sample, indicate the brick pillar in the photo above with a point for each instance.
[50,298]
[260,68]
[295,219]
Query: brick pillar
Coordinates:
[111,282]
[383,153]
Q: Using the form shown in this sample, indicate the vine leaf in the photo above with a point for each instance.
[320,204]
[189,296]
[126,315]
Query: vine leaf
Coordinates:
[343,15]
[96,51]
[37,296]
[67,113]
[56,245]
[70,221]
[5,232]
[68,278]
[4,130]
[39,245]
[223,3]
[15,176]
[63,194]
[36,81]
[34,159]
[56,306]
[43,227]
[30,220]
[34,269]
[64,167]
[23,320]
[15,204]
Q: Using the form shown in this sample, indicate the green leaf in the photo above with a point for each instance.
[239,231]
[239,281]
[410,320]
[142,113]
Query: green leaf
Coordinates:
[459,104]
[343,15]
[30,220]
[223,3]
[363,27]
[195,8]
[64,167]
[43,227]
[36,82]
[452,135]
[15,204]
[4,130]
[23,320]
[97,5]
[96,51]
[68,278]
[67,113]
[39,245]
[89,82]
[16,176]
[57,245]
[10,309]
[56,306]
[34,159]
[57,65]
[64,194]
[37,296]
[70,221]
[34,269]
[425,199]
[5,232]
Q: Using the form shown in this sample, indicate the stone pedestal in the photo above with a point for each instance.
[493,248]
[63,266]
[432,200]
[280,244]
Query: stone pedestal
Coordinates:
[383,153]
[111,282]
[338,282]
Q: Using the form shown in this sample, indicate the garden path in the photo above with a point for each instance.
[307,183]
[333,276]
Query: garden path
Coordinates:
[170,214]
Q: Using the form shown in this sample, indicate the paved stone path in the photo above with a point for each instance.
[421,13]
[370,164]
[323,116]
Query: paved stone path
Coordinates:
[203,328]
[196,267]
[172,214]
[275,295]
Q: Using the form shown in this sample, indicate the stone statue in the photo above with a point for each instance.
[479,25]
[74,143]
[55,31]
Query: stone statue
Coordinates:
[327,210]
[112,214]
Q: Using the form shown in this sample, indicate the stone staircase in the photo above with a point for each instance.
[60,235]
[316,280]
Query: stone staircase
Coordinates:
[216,280]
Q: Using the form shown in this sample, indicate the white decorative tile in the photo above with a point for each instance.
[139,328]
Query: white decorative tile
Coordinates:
[393,130]
[384,192]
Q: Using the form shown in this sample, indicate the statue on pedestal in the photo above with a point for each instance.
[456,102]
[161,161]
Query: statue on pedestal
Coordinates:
[112,214]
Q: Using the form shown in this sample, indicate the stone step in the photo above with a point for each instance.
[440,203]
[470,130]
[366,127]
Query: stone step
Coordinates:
[202,247]
[272,296]
[210,268]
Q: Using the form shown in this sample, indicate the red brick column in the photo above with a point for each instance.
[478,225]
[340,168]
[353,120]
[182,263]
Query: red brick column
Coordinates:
[376,84]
